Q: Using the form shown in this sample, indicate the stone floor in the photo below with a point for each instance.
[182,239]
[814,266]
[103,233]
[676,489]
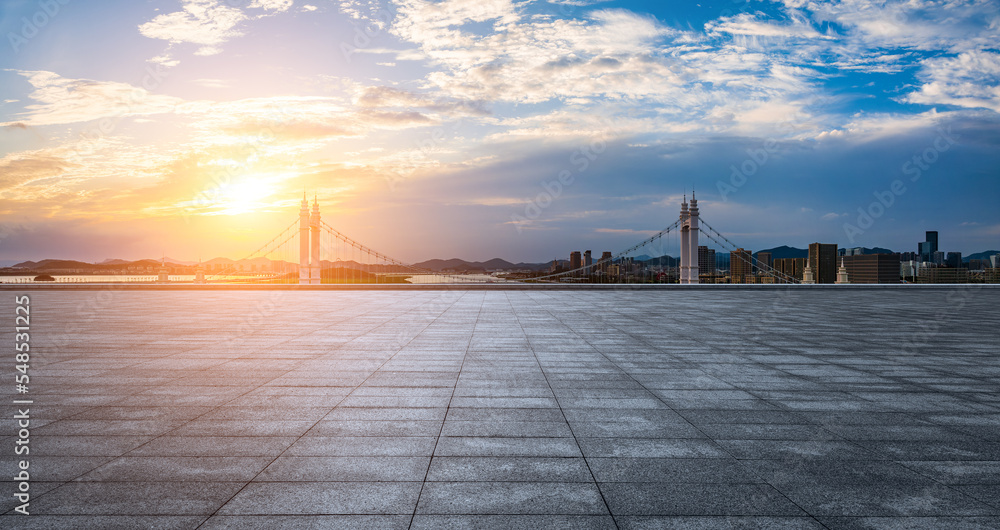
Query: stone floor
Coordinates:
[510,409]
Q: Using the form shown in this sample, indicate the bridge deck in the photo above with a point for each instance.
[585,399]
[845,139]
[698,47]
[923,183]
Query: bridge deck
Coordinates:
[585,409]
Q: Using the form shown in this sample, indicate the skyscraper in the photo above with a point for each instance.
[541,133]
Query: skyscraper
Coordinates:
[740,265]
[928,247]
[823,262]
[605,260]
[574,260]
[588,261]
[954,260]
[706,260]
[764,260]
[872,268]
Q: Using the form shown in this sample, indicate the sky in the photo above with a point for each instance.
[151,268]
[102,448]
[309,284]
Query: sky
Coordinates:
[495,128]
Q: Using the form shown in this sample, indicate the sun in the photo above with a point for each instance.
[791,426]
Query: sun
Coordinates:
[245,194]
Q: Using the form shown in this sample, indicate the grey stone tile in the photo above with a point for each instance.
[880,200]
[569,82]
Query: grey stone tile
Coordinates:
[478,446]
[649,448]
[214,446]
[135,498]
[179,468]
[406,428]
[958,472]
[345,469]
[542,522]
[522,469]
[308,522]
[510,498]
[362,446]
[507,429]
[107,445]
[324,498]
[674,522]
[101,522]
[671,470]
[657,498]
[909,523]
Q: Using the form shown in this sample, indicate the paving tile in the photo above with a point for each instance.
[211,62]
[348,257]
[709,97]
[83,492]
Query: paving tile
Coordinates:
[543,522]
[135,498]
[329,498]
[510,498]
[345,469]
[656,498]
[479,469]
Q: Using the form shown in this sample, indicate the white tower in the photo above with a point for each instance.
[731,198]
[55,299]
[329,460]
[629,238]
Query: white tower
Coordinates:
[685,235]
[807,275]
[199,273]
[842,273]
[315,267]
[304,241]
[693,230]
[163,276]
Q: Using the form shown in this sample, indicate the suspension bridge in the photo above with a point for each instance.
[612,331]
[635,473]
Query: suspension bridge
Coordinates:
[310,251]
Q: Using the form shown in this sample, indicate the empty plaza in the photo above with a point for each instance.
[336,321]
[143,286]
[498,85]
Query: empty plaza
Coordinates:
[490,408]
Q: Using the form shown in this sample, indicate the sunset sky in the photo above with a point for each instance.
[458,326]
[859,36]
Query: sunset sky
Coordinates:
[428,129]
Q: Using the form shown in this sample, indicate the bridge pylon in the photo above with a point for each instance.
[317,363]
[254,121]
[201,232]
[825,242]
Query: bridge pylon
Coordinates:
[309,231]
[689,241]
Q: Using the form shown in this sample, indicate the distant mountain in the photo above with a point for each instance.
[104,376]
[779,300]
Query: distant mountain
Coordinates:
[114,262]
[784,252]
[980,255]
[55,264]
[662,261]
[495,264]
[875,250]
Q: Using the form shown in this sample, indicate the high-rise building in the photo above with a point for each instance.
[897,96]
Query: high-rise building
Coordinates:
[928,247]
[740,267]
[978,264]
[575,262]
[764,260]
[823,262]
[995,261]
[605,260]
[953,260]
[790,267]
[937,258]
[588,261]
[872,268]
[706,260]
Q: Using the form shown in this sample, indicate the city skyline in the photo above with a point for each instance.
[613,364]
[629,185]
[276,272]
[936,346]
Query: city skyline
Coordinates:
[495,129]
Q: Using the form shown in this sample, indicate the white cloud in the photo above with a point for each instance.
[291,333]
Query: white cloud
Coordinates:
[752,25]
[62,100]
[209,23]
[272,5]
[971,79]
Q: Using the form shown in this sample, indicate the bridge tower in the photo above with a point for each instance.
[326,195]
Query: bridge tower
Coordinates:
[304,241]
[315,266]
[310,266]
[693,232]
[689,241]
[685,234]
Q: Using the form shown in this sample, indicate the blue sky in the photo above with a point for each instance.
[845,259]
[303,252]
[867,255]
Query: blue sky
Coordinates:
[441,129]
